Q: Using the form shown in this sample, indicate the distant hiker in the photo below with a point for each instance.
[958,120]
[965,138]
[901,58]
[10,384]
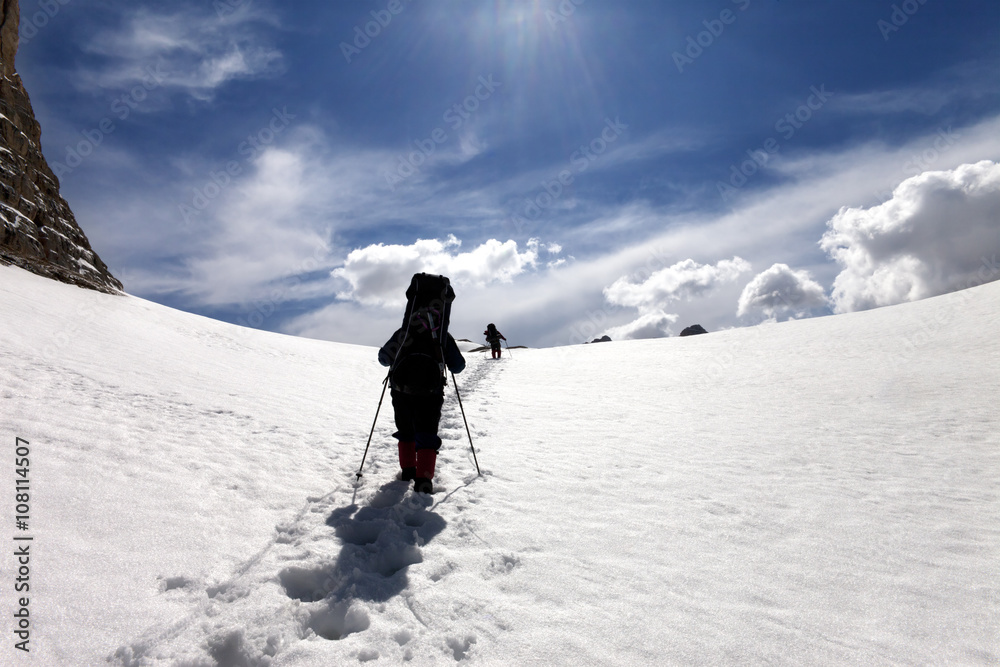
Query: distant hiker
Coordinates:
[417,355]
[493,337]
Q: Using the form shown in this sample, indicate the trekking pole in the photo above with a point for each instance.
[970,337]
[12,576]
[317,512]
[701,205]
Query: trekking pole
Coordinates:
[471,446]
[385,383]
[508,348]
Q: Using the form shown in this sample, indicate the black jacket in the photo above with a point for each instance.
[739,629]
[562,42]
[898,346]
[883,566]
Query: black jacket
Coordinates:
[453,358]
[495,338]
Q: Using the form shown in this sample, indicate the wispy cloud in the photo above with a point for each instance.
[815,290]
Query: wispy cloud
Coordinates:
[194,51]
[279,230]
[235,236]
[969,81]
[927,101]
[637,286]
[266,230]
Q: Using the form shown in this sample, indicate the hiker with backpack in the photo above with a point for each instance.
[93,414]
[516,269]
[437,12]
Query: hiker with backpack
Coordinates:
[417,355]
[493,337]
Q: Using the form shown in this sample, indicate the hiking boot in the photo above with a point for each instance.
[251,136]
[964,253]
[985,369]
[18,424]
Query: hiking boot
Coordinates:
[407,474]
[422,485]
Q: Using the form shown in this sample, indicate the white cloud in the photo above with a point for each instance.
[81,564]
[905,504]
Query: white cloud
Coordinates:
[550,306]
[782,290]
[193,51]
[470,145]
[262,233]
[932,237]
[684,280]
[328,185]
[920,100]
[265,230]
[656,324]
[378,274]
[955,85]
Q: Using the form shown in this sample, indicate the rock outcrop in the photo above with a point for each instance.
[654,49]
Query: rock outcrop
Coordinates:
[39,233]
[694,330]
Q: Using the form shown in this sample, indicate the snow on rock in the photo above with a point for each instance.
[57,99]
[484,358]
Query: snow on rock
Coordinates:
[39,232]
[814,492]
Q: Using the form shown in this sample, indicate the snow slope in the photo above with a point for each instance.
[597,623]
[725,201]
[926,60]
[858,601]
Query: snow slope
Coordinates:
[813,492]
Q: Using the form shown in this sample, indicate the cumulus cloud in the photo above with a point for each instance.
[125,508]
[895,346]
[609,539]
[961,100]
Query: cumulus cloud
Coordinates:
[934,236]
[782,290]
[650,325]
[379,274]
[684,280]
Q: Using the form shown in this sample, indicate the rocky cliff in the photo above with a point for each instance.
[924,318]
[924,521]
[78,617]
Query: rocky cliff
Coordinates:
[39,233]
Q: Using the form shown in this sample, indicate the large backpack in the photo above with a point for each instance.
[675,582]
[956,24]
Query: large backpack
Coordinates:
[418,362]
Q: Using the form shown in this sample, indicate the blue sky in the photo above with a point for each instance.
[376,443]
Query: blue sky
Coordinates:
[578,167]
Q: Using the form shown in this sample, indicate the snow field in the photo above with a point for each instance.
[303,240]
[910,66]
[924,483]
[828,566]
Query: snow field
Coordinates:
[814,492]
[776,515]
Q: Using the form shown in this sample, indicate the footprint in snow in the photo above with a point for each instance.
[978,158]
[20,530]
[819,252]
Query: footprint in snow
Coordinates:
[460,647]
[380,541]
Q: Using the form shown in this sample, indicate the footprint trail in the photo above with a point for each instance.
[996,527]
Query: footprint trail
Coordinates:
[354,575]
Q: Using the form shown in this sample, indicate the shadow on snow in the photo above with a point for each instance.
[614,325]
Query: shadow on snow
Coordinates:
[380,541]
